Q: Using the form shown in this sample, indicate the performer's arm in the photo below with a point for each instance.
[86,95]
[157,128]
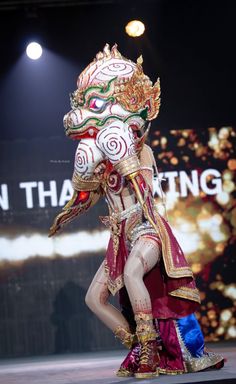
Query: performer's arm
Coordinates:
[85,182]
[80,202]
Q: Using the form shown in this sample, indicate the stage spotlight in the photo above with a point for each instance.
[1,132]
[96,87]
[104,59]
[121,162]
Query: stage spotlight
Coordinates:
[34,51]
[135,28]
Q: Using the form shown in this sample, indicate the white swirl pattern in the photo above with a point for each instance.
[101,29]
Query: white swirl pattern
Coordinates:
[115,68]
[86,158]
[115,182]
[116,142]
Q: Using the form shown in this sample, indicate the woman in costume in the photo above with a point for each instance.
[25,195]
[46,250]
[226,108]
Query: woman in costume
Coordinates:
[144,261]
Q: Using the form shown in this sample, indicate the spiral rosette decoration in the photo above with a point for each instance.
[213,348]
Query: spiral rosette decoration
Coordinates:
[116,142]
[86,158]
[117,68]
[115,182]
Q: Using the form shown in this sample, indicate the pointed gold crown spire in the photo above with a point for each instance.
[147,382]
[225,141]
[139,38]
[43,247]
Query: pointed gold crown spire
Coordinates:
[140,60]
[108,53]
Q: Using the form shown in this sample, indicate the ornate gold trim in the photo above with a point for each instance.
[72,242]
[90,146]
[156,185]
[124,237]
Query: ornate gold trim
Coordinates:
[145,329]
[187,293]
[70,211]
[125,336]
[171,270]
[141,316]
[146,337]
[80,184]
[196,364]
[127,166]
[139,93]
[114,285]
[163,371]
[147,375]
[122,372]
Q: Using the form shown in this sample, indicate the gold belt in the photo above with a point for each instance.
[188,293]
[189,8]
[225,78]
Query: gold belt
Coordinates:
[113,222]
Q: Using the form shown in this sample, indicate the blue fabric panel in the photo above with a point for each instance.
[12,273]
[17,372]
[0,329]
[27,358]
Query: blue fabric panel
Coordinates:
[191,334]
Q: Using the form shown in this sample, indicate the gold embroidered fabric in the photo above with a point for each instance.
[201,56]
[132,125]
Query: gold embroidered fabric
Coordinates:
[187,293]
[115,285]
[171,270]
[163,371]
[196,364]
[145,329]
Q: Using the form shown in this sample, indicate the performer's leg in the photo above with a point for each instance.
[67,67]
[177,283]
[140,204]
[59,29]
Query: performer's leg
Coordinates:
[97,300]
[143,257]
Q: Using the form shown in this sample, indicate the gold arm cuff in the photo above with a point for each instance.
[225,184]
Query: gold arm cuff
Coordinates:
[128,166]
[80,184]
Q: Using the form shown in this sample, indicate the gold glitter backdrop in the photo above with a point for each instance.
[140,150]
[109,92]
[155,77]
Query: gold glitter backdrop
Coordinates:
[199,183]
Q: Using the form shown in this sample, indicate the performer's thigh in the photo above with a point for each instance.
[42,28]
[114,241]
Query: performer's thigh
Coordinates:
[98,291]
[143,257]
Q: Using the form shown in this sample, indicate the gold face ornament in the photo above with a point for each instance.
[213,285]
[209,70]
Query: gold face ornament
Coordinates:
[110,88]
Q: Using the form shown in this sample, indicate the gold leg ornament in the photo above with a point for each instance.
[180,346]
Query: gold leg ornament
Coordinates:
[125,336]
[149,357]
[131,363]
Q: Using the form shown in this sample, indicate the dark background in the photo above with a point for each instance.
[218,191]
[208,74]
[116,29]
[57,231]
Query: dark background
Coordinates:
[189,44]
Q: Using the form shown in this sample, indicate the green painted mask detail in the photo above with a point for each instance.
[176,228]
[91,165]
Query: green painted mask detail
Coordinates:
[105,92]
[99,123]
[144,113]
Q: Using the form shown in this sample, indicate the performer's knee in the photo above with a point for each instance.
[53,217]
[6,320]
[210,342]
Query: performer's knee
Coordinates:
[96,298]
[89,299]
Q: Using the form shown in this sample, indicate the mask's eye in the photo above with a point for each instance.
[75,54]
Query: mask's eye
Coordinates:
[96,104]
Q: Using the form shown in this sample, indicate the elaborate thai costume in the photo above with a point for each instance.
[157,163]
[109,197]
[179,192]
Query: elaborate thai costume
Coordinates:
[144,261]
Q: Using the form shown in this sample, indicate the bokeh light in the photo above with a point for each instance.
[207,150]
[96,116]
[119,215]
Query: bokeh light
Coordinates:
[34,51]
[205,224]
[135,28]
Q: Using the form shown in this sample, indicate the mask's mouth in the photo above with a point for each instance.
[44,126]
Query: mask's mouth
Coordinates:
[72,135]
[70,129]
[83,132]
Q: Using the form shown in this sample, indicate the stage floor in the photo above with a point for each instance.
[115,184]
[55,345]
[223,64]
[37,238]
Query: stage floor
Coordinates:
[100,367]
